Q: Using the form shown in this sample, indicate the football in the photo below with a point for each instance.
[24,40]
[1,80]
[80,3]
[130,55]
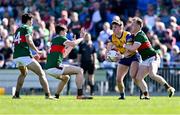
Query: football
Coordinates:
[112,55]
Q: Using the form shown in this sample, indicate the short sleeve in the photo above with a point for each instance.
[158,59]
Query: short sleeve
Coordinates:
[129,38]
[138,38]
[63,39]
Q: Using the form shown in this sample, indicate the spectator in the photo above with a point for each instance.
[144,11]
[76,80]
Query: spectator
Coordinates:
[3,37]
[7,50]
[168,40]
[101,53]
[44,33]
[159,29]
[96,20]
[64,18]
[164,56]
[2,61]
[165,18]
[5,23]
[175,56]
[105,33]
[150,18]
[75,25]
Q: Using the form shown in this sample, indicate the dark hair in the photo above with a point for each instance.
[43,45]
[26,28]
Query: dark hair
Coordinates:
[26,17]
[60,28]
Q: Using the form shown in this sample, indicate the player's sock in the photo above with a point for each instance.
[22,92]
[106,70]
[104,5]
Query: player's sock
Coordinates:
[91,87]
[80,92]
[141,94]
[146,96]
[56,96]
[122,95]
[167,86]
[47,94]
[145,93]
[17,93]
[92,90]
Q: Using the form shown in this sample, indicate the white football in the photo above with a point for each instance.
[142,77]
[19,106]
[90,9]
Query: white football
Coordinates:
[112,55]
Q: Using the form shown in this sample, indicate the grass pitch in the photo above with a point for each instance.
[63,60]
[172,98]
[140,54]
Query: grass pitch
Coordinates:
[99,105]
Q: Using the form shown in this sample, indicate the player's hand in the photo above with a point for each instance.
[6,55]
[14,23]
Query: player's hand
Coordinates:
[36,57]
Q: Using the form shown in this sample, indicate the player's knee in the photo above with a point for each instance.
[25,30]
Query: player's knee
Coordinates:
[133,76]
[81,70]
[152,75]
[66,78]
[23,73]
[137,79]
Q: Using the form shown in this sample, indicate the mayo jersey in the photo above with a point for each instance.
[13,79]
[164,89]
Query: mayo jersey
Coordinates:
[21,47]
[145,50]
[55,57]
[126,38]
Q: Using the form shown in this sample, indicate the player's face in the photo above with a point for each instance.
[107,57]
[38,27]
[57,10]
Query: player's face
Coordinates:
[116,28]
[134,26]
[64,32]
[30,22]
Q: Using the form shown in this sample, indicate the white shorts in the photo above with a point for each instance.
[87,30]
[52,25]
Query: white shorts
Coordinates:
[56,71]
[23,61]
[153,60]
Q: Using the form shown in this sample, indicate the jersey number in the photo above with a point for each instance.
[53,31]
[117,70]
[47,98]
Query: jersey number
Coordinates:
[17,38]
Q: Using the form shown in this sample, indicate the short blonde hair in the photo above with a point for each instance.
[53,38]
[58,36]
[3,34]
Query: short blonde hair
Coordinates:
[117,22]
[138,21]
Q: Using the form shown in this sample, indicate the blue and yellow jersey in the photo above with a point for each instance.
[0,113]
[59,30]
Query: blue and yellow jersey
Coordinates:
[126,38]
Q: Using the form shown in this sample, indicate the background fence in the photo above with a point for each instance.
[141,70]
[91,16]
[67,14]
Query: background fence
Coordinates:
[105,83]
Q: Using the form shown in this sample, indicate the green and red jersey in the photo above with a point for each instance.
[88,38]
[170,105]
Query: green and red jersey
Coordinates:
[55,56]
[145,50]
[21,48]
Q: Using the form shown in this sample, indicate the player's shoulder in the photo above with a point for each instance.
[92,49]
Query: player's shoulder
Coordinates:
[126,31]
[128,35]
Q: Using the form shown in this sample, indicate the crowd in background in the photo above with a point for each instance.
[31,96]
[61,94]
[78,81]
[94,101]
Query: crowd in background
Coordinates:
[161,24]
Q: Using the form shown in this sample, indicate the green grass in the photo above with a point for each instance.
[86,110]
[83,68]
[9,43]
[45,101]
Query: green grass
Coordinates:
[99,105]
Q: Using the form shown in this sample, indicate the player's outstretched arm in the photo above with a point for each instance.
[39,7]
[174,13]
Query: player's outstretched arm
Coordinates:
[133,47]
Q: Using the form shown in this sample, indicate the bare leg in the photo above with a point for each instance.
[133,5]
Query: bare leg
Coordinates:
[133,71]
[153,75]
[69,70]
[64,79]
[121,72]
[36,68]
[20,80]
[141,74]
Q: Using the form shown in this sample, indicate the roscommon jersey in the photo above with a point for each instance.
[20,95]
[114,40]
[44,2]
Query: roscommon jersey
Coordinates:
[55,56]
[21,48]
[126,38]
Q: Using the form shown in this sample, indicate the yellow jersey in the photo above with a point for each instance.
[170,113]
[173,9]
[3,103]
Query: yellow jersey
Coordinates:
[126,38]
